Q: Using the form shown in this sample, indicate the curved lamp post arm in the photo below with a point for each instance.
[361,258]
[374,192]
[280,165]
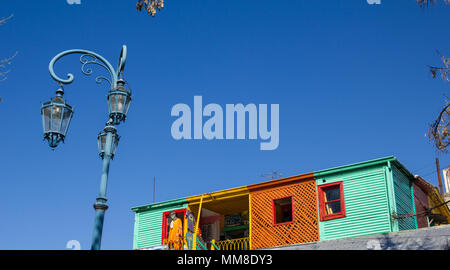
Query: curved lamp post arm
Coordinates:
[89,57]
[122,60]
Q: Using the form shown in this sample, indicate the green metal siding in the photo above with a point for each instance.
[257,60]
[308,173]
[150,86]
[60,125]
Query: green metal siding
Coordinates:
[404,200]
[148,225]
[366,202]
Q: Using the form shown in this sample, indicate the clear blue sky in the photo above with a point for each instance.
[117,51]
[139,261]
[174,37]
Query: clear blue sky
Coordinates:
[351,80]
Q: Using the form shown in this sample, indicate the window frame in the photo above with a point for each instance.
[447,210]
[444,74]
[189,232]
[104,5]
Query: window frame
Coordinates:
[164,222]
[274,216]
[322,202]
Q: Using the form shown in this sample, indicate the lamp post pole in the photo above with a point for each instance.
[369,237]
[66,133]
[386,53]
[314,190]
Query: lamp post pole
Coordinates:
[100,205]
[56,116]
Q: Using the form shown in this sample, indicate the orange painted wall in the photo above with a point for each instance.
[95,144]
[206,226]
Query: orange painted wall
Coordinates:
[305,225]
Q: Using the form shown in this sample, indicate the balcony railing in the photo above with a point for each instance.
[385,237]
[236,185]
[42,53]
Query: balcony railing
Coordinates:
[234,244]
[186,244]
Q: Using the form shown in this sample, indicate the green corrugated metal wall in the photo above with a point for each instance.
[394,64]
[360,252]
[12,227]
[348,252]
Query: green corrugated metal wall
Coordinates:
[148,225]
[366,203]
[404,200]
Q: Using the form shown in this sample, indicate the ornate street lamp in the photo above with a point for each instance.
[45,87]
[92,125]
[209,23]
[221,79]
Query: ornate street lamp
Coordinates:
[118,103]
[56,116]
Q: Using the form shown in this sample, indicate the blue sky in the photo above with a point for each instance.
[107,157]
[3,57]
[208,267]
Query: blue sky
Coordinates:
[351,80]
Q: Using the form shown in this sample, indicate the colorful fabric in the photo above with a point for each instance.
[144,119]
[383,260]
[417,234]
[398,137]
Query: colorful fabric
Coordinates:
[190,221]
[176,234]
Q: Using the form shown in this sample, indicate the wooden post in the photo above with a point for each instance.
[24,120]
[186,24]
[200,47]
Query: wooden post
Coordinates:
[439,176]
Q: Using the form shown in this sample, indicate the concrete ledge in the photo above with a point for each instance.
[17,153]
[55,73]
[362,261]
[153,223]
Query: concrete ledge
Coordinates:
[434,238]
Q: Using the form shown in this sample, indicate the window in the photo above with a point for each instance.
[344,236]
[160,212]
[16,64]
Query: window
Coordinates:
[331,201]
[282,211]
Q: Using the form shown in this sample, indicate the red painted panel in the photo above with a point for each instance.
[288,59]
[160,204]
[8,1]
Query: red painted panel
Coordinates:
[421,203]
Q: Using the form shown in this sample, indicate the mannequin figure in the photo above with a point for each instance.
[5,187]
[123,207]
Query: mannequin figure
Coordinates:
[175,232]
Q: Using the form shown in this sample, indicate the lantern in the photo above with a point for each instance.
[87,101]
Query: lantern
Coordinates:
[118,103]
[102,140]
[56,116]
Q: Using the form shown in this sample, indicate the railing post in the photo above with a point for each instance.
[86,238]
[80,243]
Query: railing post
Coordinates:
[194,241]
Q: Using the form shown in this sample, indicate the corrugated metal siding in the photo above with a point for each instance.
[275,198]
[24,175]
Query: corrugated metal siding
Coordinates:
[366,204]
[403,200]
[148,226]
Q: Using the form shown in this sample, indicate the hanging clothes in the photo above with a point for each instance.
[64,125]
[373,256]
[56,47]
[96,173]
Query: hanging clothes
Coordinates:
[176,234]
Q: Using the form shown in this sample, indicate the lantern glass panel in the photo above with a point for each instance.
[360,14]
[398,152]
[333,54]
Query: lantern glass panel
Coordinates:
[101,143]
[120,102]
[115,143]
[56,117]
[67,116]
[127,104]
[46,118]
[112,103]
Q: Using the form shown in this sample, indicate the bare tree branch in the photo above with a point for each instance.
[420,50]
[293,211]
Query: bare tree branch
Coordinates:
[7,61]
[4,63]
[443,70]
[438,132]
[425,3]
[3,20]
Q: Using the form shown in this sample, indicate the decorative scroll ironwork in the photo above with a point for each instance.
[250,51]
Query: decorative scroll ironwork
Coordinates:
[88,58]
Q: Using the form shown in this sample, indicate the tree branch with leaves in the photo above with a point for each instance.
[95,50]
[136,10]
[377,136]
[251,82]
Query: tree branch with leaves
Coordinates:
[150,6]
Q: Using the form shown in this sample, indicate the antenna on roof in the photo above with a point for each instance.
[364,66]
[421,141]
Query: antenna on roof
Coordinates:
[154,187]
[272,175]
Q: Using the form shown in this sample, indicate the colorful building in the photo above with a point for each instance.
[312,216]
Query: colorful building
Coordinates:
[284,212]
[371,197]
[365,198]
[430,204]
